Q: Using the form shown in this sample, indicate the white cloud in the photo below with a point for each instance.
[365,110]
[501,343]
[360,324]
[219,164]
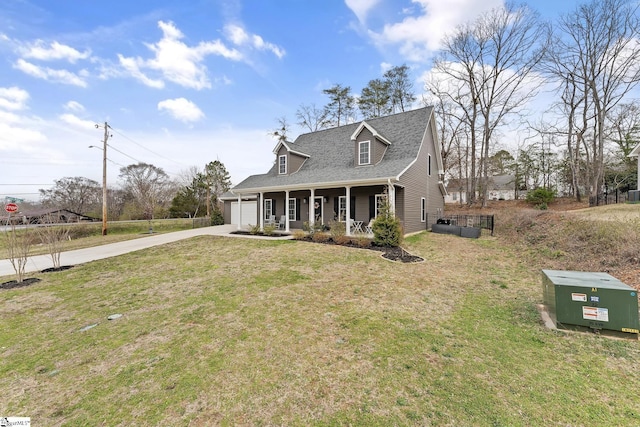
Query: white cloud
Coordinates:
[132,66]
[13,98]
[238,36]
[77,122]
[50,74]
[19,138]
[55,51]
[176,61]
[74,106]
[420,34]
[181,109]
[361,8]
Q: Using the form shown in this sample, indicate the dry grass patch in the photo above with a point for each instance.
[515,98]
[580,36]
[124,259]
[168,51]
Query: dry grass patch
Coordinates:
[223,331]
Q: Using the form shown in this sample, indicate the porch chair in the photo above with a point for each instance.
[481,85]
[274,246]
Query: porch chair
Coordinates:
[368,229]
[356,226]
[281,225]
[271,220]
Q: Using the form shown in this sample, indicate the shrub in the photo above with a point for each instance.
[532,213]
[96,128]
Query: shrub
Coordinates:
[320,237]
[217,218]
[342,240]
[541,196]
[254,229]
[337,229]
[299,234]
[363,242]
[269,229]
[312,229]
[387,230]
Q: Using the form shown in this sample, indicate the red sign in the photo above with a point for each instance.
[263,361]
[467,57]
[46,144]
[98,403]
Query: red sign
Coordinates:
[11,207]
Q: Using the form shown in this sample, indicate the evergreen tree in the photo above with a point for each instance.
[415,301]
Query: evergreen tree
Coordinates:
[375,99]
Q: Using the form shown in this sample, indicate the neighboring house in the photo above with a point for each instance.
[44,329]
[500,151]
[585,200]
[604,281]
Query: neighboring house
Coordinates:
[636,153]
[324,175]
[500,187]
[46,216]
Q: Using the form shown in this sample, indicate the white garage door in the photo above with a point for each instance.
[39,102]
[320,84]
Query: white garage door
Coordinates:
[249,213]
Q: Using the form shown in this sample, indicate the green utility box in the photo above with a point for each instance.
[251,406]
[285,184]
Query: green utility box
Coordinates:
[591,300]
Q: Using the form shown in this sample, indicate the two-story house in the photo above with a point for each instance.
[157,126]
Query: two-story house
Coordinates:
[343,173]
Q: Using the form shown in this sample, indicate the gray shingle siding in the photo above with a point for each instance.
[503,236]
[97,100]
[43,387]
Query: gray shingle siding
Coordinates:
[419,184]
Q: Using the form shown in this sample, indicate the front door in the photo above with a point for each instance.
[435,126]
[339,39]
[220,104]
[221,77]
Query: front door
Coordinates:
[318,208]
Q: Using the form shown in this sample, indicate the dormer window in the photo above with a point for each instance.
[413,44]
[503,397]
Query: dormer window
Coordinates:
[364,152]
[282,165]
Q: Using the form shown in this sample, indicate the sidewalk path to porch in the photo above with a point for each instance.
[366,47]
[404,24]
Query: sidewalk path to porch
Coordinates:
[81,256]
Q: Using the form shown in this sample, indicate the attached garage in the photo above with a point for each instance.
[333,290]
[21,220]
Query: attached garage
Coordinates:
[249,212]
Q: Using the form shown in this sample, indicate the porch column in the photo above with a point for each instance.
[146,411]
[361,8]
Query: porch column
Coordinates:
[347,214]
[311,209]
[239,212]
[286,210]
[261,210]
[392,197]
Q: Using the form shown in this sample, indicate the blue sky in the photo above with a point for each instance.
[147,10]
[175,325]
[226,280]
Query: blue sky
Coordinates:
[183,83]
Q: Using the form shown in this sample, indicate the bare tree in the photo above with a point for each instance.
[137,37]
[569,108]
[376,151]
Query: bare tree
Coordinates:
[77,194]
[595,57]
[311,117]
[280,133]
[18,244]
[148,185]
[491,63]
[53,236]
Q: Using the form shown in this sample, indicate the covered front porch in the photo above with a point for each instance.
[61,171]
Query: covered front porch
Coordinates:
[356,206]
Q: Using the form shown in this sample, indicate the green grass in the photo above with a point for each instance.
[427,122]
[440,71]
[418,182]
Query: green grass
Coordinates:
[90,234]
[221,331]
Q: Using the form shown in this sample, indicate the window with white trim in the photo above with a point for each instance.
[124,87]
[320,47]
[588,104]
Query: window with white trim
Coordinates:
[364,152]
[282,164]
[342,208]
[292,210]
[267,208]
[423,209]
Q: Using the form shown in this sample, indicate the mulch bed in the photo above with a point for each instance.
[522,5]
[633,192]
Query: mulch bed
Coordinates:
[391,253]
[247,233]
[12,284]
[61,268]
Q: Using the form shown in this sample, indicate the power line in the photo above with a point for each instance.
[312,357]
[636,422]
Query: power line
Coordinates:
[145,148]
[124,154]
[133,158]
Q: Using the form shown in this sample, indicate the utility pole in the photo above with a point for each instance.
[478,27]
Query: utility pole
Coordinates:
[104,178]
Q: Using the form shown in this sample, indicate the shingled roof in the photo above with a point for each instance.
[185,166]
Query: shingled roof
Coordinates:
[331,154]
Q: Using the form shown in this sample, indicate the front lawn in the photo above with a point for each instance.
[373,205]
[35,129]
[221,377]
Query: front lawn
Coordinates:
[228,331]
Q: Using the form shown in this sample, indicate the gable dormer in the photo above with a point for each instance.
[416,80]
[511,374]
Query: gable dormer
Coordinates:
[288,161]
[369,145]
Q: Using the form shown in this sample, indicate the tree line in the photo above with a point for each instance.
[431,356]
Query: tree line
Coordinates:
[391,93]
[145,192]
[489,70]
[481,86]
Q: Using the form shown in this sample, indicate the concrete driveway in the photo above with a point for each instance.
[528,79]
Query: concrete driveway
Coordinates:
[80,256]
